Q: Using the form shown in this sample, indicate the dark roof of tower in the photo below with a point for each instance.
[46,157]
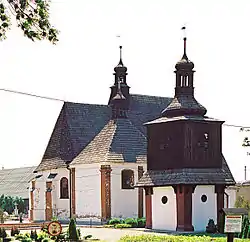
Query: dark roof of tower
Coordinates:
[184,105]
[78,124]
[200,176]
[184,63]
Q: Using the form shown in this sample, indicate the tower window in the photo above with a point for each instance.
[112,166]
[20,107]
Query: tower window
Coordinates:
[127,179]
[184,81]
[164,199]
[64,188]
[203,198]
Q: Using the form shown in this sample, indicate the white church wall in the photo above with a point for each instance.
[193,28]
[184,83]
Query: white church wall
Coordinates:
[124,202]
[39,199]
[88,191]
[60,207]
[232,193]
[203,211]
[164,215]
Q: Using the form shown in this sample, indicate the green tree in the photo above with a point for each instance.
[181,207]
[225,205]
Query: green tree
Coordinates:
[32,16]
[241,202]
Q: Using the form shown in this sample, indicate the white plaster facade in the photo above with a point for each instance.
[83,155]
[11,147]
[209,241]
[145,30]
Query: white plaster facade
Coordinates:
[164,215]
[88,191]
[230,196]
[124,202]
[59,206]
[203,211]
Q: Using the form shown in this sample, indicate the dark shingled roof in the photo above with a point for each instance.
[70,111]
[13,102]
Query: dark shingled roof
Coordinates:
[199,176]
[78,124]
[184,105]
[118,141]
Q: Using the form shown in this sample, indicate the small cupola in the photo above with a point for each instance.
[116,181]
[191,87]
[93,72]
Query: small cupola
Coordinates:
[184,102]
[120,79]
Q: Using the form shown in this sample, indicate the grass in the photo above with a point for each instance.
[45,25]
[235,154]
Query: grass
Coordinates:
[173,238]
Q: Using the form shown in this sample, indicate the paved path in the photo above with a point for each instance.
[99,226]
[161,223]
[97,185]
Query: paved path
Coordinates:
[113,235]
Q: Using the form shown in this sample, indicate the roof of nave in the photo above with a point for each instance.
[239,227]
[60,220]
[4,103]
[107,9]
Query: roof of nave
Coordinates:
[78,125]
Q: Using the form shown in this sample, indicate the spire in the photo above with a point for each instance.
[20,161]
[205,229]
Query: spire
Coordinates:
[184,63]
[184,102]
[120,62]
[185,43]
[120,67]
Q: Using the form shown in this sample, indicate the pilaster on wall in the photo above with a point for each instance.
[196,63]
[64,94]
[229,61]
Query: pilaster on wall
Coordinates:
[220,191]
[140,194]
[73,190]
[148,201]
[33,187]
[184,207]
[48,199]
[105,191]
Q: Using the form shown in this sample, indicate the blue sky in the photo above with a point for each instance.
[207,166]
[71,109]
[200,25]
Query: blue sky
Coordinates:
[80,67]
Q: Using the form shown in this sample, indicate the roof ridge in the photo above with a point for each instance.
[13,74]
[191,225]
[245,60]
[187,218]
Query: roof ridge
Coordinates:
[135,94]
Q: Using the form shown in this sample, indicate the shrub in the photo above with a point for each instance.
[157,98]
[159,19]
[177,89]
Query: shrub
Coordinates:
[115,221]
[44,228]
[3,233]
[42,235]
[141,222]
[73,234]
[123,226]
[133,222]
[26,240]
[14,231]
[33,235]
[46,240]
[211,228]
[109,225]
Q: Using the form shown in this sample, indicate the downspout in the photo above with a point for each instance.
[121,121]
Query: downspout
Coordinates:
[70,192]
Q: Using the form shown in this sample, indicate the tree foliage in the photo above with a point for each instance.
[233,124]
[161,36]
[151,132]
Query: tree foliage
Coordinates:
[241,202]
[7,203]
[32,16]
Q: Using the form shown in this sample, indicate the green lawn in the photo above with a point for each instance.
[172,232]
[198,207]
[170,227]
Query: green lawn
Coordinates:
[179,238]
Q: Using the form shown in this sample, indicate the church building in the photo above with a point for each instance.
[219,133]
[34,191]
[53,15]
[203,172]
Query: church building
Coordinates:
[187,174]
[94,157]
[97,153]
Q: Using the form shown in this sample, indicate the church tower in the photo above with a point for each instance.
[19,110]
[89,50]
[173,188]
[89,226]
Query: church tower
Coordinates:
[184,137]
[120,77]
[186,172]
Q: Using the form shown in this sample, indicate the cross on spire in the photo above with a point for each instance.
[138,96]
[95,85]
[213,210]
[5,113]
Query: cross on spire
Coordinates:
[185,39]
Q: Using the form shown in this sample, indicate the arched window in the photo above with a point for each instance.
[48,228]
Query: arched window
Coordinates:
[64,188]
[127,179]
